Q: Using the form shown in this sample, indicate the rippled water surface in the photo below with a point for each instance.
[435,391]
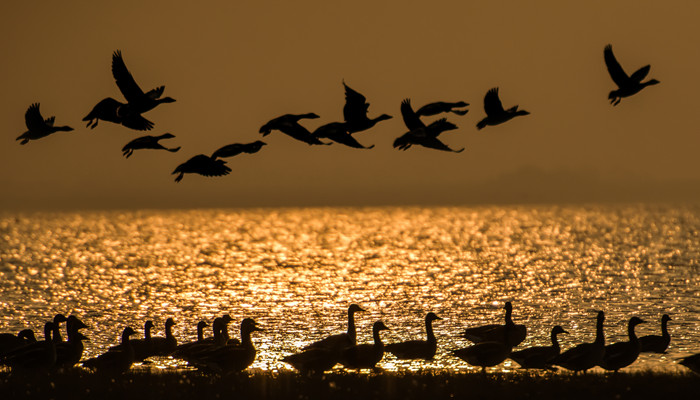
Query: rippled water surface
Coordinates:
[296,270]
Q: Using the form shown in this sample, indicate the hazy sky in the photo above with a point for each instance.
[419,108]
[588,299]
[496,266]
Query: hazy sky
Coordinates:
[232,66]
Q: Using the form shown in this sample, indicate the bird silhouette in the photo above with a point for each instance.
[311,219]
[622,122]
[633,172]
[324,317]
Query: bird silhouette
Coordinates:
[440,107]
[289,125]
[338,132]
[419,133]
[656,343]
[417,349]
[539,356]
[495,114]
[114,111]
[147,142]
[37,126]
[355,111]
[203,165]
[627,85]
[138,102]
[235,149]
[494,332]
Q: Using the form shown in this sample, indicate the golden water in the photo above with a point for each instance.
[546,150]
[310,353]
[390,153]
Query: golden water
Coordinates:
[296,270]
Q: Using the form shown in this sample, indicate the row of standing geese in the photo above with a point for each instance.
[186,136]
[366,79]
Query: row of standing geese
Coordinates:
[220,353]
[355,114]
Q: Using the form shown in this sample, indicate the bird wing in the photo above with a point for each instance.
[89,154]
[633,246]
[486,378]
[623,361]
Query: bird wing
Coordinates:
[410,118]
[126,83]
[641,73]
[615,70]
[155,93]
[435,143]
[492,104]
[356,105]
[49,121]
[137,122]
[33,119]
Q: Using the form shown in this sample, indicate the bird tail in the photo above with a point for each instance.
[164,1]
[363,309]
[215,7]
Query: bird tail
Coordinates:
[460,112]
[481,124]
[174,150]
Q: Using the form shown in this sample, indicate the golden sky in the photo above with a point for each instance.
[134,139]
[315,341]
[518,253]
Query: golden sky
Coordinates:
[232,66]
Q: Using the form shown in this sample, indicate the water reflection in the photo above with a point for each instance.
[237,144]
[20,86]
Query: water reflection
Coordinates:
[296,270]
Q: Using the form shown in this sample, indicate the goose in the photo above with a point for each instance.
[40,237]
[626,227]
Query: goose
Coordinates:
[691,362]
[655,343]
[184,347]
[626,85]
[314,361]
[220,339]
[37,126]
[114,362]
[488,353]
[338,342]
[148,142]
[365,355]
[585,355]
[203,165]
[289,125]
[621,354]
[235,149]
[142,348]
[231,358]
[111,110]
[57,320]
[138,102]
[338,132]
[419,133]
[39,355]
[69,353]
[494,332]
[417,349]
[495,114]
[10,342]
[355,111]
[539,356]
[162,346]
[440,107]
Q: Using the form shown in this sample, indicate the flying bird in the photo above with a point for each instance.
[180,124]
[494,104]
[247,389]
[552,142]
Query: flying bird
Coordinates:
[626,85]
[114,111]
[203,165]
[235,149]
[355,111]
[495,114]
[289,125]
[419,133]
[338,132]
[440,107]
[147,142]
[37,126]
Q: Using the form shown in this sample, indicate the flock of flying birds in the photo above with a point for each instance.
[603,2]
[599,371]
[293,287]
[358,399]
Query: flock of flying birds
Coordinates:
[355,113]
[221,354]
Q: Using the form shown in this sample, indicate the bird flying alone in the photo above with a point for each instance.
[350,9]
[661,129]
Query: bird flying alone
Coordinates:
[235,149]
[37,126]
[148,142]
[627,85]
[355,111]
[203,165]
[440,107]
[495,114]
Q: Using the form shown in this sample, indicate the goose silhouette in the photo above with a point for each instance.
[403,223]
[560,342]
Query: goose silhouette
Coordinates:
[235,149]
[338,132]
[495,332]
[203,165]
[495,114]
[289,125]
[656,343]
[365,355]
[138,102]
[627,85]
[440,107]
[10,342]
[419,133]
[417,349]
[147,142]
[230,357]
[487,353]
[586,355]
[539,356]
[37,356]
[68,353]
[37,126]
[621,354]
[691,362]
[117,361]
[339,342]
[111,110]
[355,112]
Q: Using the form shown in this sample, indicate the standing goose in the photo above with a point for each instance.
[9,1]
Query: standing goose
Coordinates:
[69,353]
[238,148]
[621,354]
[10,342]
[440,107]
[489,353]
[365,355]
[57,320]
[420,134]
[585,355]
[162,346]
[355,111]
[37,126]
[626,85]
[337,343]
[655,343]
[142,348]
[138,101]
[200,338]
[495,332]
[539,356]
[147,142]
[116,361]
[117,112]
[417,349]
[39,355]
[313,361]
[691,362]
[203,165]
[495,114]
[338,132]
[289,125]
[231,357]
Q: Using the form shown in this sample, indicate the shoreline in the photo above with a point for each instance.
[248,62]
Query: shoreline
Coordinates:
[78,383]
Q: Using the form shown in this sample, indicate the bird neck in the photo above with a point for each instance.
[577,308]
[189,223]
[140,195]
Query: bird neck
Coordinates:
[56,334]
[555,342]
[125,338]
[169,331]
[246,340]
[599,335]
[147,332]
[200,333]
[631,334]
[664,329]
[352,331]
[377,338]
[509,316]
[429,330]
